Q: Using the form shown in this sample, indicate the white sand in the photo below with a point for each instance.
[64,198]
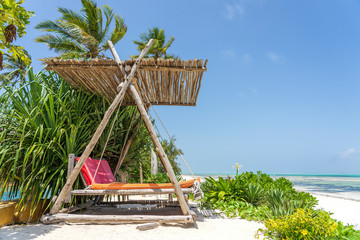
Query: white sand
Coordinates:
[345,210]
[208,229]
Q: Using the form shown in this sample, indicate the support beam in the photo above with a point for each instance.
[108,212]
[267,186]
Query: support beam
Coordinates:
[70,169]
[160,151]
[126,148]
[70,181]
[82,218]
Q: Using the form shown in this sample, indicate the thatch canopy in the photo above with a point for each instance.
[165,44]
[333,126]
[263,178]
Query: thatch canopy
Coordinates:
[165,82]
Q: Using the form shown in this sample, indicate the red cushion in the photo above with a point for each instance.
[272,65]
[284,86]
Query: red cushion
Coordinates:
[103,175]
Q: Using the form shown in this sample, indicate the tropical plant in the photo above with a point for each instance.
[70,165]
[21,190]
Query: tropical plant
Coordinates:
[13,21]
[15,69]
[41,122]
[82,34]
[160,46]
[253,194]
[303,224]
[172,153]
[223,189]
[346,232]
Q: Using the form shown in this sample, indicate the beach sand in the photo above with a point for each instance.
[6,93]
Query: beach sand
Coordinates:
[345,210]
[208,229]
[210,226]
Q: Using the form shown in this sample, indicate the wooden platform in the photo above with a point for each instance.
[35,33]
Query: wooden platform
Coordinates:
[125,212]
[161,82]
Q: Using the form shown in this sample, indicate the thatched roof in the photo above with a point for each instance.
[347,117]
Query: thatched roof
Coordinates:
[165,82]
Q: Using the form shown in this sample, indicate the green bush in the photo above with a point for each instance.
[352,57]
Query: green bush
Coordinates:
[253,194]
[303,224]
[346,232]
[221,190]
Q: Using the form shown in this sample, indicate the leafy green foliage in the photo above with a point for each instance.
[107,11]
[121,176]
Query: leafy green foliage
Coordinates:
[221,190]
[43,121]
[275,198]
[16,17]
[82,34]
[160,46]
[253,194]
[346,232]
[15,69]
[303,224]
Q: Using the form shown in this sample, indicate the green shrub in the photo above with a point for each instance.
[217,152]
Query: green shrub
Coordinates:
[347,232]
[303,224]
[253,194]
[221,190]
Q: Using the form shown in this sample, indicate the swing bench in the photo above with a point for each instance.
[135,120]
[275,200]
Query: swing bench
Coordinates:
[103,179]
[134,82]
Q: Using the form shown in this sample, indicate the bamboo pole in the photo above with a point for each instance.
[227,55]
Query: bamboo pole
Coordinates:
[63,217]
[126,148]
[160,151]
[70,169]
[70,181]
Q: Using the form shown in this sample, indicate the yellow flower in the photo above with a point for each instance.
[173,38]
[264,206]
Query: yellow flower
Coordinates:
[304,232]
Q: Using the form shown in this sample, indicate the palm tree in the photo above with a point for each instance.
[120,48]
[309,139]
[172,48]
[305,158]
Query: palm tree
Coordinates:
[82,34]
[159,47]
[15,69]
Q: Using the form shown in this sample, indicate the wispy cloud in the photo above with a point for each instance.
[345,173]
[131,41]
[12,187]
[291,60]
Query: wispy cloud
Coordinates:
[232,10]
[349,152]
[276,58]
[230,53]
[246,59]
[248,93]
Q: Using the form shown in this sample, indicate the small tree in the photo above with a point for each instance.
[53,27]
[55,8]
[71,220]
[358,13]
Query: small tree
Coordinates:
[82,34]
[159,47]
[15,67]
[13,21]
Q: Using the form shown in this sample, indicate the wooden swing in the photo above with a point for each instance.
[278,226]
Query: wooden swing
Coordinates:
[139,82]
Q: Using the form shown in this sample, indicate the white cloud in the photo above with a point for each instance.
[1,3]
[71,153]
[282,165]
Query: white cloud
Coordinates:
[254,91]
[232,10]
[241,94]
[276,58]
[349,152]
[229,53]
[248,93]
[246,59]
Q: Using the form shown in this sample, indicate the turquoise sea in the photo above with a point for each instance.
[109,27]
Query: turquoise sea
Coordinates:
[343,186]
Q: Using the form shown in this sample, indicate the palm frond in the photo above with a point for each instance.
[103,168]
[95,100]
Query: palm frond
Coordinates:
[59,44]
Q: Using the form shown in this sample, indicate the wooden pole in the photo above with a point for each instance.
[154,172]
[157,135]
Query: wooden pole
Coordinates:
[154,162]
[70,169]
[70,181]
[160,151]
[63,217]
[126,148]
[141,173]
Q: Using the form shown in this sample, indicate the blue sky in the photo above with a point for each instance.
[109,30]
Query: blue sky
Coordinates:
[282,90]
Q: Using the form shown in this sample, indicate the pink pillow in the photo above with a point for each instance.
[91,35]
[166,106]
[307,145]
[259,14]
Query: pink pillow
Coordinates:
[104,174]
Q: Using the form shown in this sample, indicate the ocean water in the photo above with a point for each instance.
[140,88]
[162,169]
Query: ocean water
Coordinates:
[342,186]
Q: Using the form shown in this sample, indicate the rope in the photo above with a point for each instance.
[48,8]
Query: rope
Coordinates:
[106,143]
[173,142]
[171,139]
[126,136]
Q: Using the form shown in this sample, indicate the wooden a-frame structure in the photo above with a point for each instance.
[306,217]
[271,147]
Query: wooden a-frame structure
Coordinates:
[165,82]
